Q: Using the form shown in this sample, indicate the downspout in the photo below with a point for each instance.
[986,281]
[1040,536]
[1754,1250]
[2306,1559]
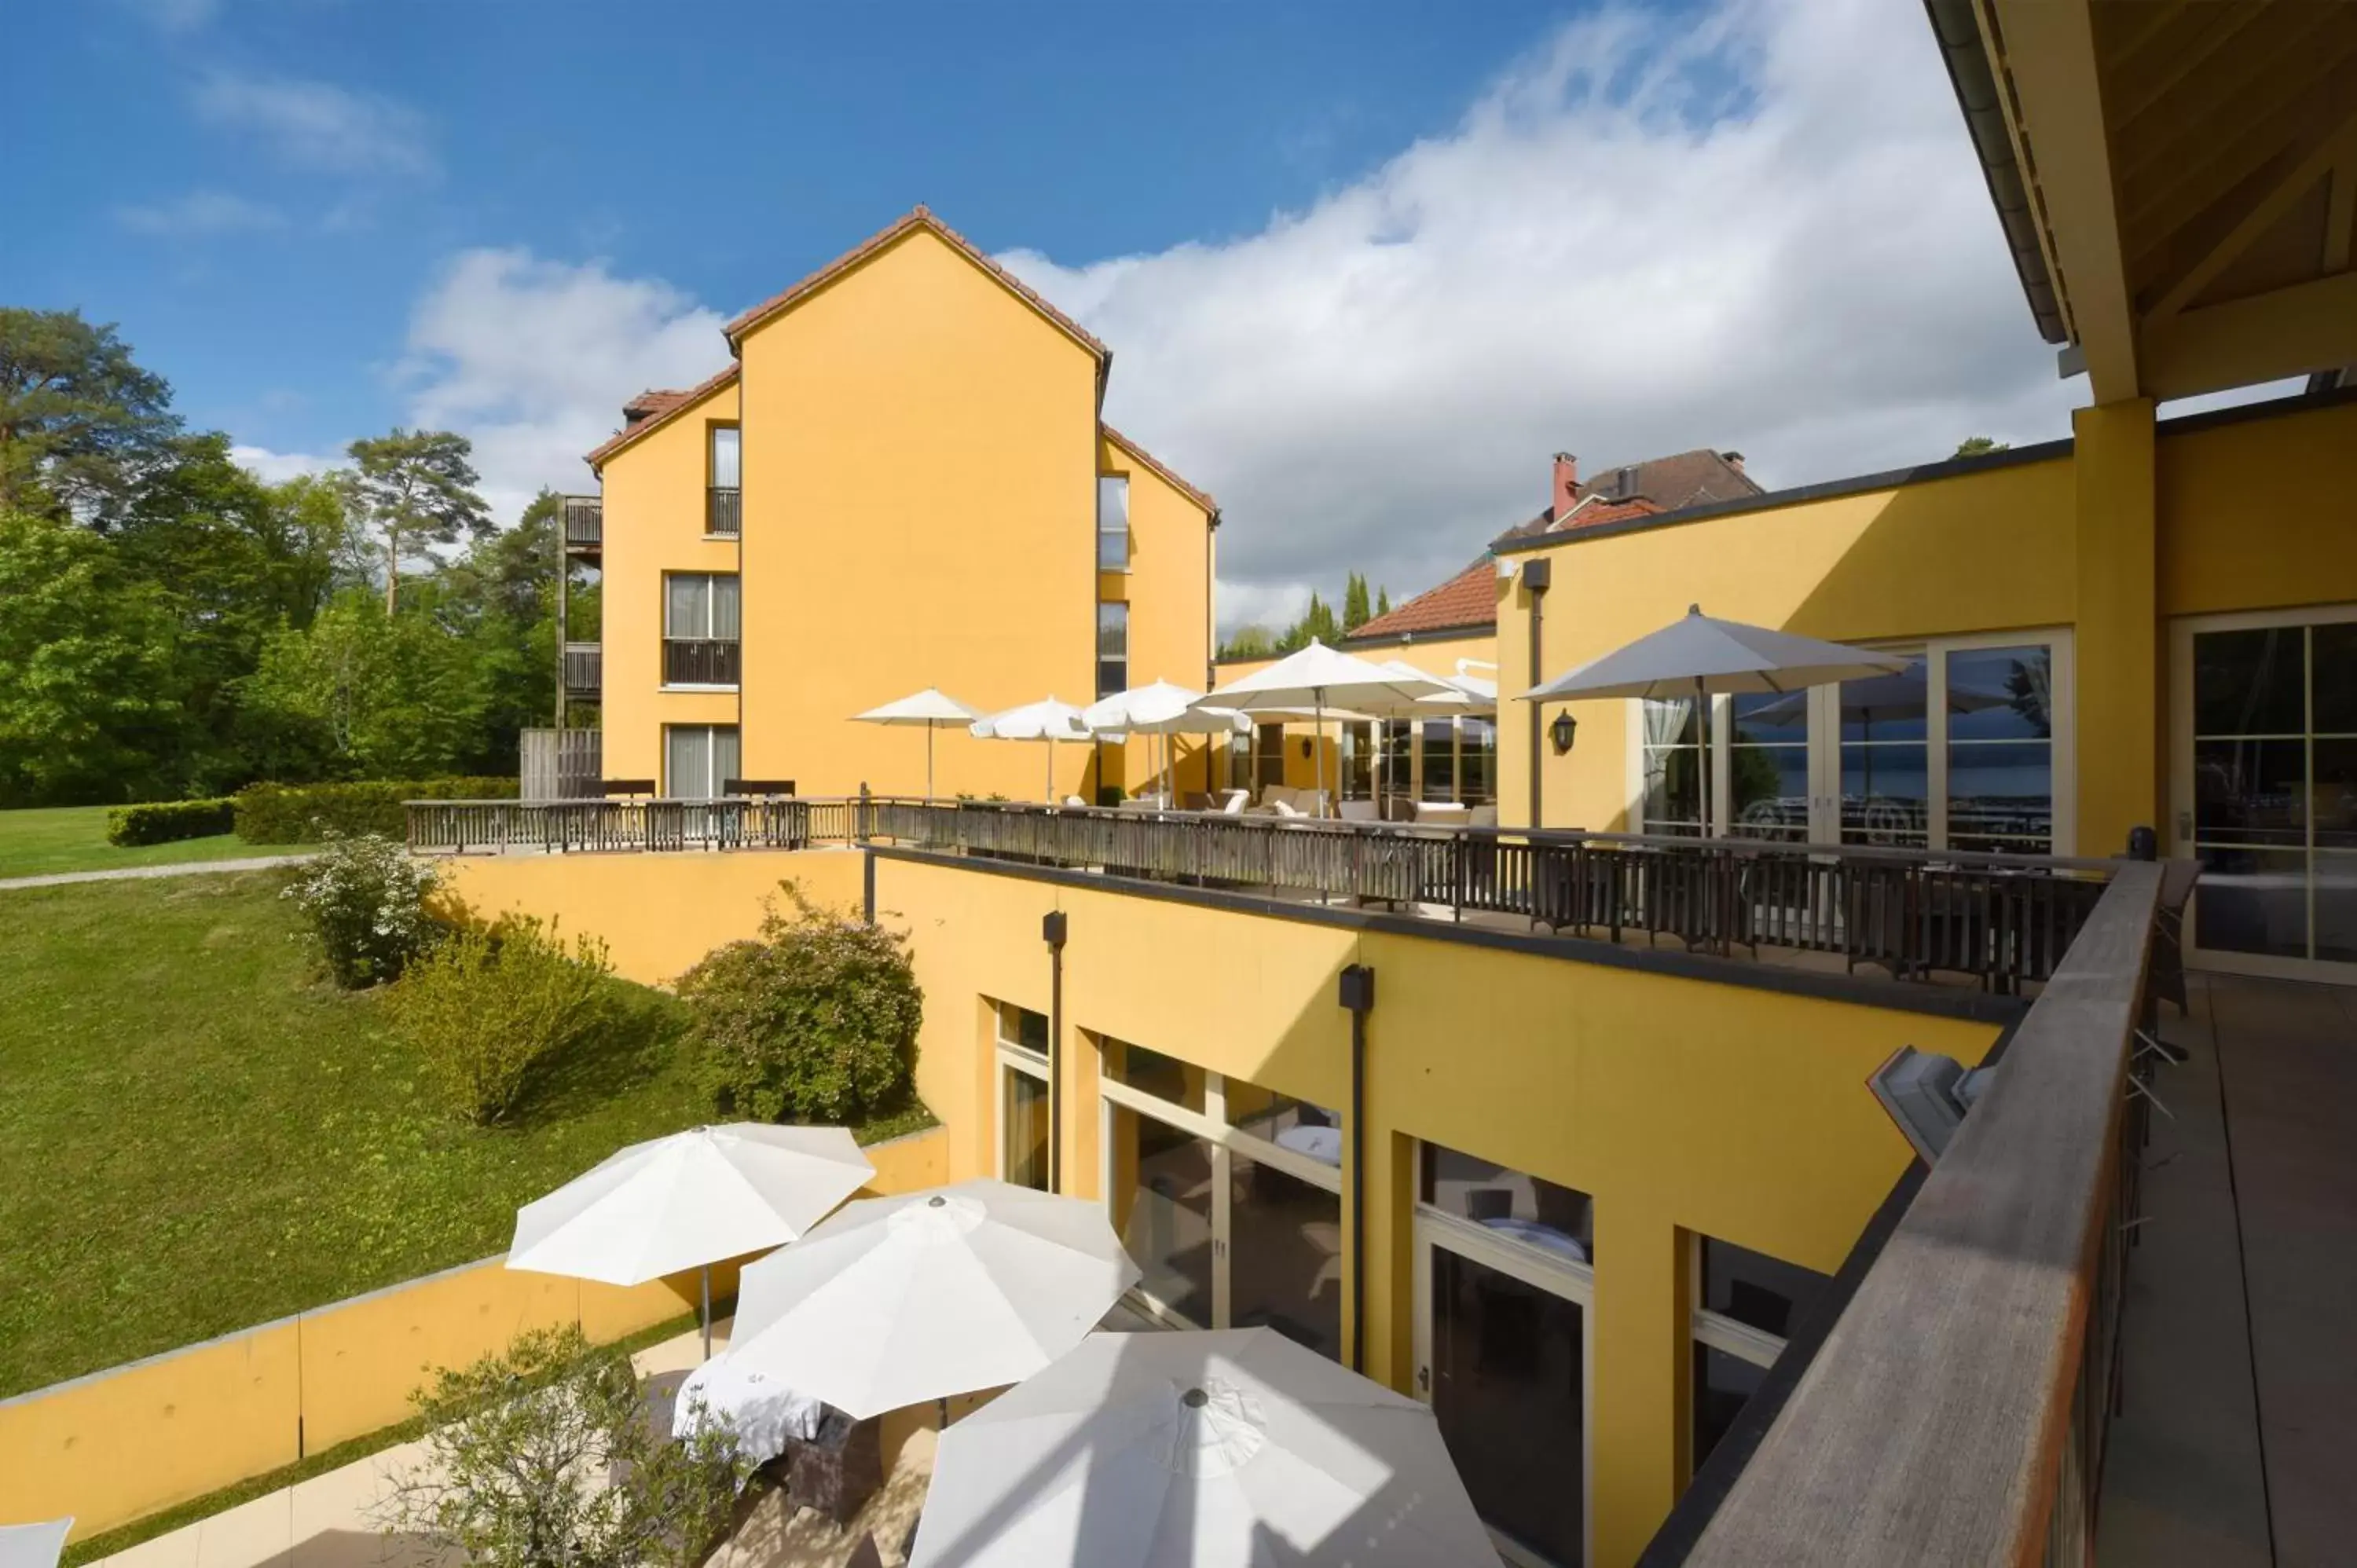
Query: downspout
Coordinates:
[1051,931]
[1357,993]
[1537,574]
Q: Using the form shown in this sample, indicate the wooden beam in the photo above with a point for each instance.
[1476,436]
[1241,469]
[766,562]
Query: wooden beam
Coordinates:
[2340,252]
[2188,51]
[2336,152]
[1929,1427]
[2057,113]
[2289,331]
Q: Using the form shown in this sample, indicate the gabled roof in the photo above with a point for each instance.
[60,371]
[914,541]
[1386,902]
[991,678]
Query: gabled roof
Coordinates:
[917,217]
[1662,484]
[651,410]
[1200,498]
[1467,602]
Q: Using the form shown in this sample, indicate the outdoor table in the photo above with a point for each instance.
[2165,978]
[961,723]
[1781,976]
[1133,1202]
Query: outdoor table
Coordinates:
[1544,1236]
[1323,1144]
[764,1413]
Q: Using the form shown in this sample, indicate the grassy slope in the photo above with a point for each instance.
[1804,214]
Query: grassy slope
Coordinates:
[195,1136]
[73,838]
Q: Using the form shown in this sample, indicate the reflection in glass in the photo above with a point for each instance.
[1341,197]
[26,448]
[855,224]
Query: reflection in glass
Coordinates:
[2252,900]
[1509,1387]
[2250,792]
[1477,752]
[2332,653]
[1439,743]
[1673,764]
[1296,1124]
[1025,1120]
[1151,1072]
[1560,1221]
[2001,796]
[1886,791]
[2332,793]
[1023,1028]
[2336,906]
[2250,682]
[1162,1191]
[1722,1385]
[1756,1290]
[1768,763]
[1285,1256]
[2001,693]
[1358,761]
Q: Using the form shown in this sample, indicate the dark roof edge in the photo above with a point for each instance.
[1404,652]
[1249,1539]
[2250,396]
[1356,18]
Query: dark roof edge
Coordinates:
[1955,27]
[1422,634]
[1925,473]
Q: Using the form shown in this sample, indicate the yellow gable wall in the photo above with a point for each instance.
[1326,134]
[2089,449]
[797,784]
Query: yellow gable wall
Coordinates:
[1169,590]
[654,522]
[920,462]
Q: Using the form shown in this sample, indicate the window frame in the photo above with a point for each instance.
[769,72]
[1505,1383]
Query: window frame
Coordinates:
[710,757]
[1106,482]
[1105,661]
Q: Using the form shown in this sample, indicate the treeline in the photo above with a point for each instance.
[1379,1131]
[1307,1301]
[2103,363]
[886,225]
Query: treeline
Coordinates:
[1317,621]
[173,627]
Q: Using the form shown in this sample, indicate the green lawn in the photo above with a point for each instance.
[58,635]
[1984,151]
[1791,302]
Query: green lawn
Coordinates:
[196,1136]
[73,838]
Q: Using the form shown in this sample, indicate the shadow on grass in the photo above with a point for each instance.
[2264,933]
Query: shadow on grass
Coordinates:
[640,1039]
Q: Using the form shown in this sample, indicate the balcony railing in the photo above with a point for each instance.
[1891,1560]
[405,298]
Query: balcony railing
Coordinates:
[465,827]
[2004,920]
[585,523]
[584,670]
[699,662]
[723,510]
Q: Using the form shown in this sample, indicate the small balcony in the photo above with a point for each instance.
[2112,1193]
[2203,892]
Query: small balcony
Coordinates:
[699,662]
[584,526]
[584,665]
[723,513]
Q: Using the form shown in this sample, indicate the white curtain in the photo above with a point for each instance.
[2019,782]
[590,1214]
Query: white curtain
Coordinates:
[1665,727]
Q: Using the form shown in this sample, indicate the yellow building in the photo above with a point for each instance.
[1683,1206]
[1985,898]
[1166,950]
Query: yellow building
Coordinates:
[901,480]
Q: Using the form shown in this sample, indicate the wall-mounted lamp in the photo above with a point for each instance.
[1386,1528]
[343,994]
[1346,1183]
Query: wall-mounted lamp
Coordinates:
[1306,746]
[1563,732]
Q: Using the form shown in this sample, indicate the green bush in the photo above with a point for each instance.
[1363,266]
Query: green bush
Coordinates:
[307,814]
[491,1004]
[815,1022]
[162,821]
[365,899]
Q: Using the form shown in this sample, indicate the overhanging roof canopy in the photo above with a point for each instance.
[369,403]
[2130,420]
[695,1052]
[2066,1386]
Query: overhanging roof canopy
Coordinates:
[2177,180]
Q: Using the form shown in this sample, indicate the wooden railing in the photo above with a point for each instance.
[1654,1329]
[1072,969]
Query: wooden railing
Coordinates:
[465,827]
[585,665]
[723,510]
[584,522]
[699,662]
[1957,1411]
[2002,919]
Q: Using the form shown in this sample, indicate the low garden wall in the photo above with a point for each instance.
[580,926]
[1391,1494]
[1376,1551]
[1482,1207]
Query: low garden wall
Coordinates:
[117,1445]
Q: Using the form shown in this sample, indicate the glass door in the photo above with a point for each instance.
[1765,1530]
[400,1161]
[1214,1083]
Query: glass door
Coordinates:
[2264,790]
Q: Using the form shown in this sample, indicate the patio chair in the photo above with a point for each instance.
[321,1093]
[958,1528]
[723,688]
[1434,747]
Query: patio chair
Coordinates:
[1360,811]
[1233,802]
[838,1471]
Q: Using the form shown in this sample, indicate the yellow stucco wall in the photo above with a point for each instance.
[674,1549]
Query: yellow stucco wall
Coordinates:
[1169,590]
[117,1446]
[920,510]
[654,522]
[1681,1106]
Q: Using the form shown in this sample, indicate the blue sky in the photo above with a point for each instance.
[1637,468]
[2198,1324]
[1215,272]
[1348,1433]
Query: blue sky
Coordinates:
[1364,266]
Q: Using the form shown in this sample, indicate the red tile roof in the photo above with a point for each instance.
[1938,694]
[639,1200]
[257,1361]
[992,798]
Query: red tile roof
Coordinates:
[1667,484]
[917,217]
[1467,601]
[1200,498]
[650,409]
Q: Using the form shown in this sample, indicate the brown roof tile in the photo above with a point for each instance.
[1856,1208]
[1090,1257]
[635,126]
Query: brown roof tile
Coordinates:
[1467,601]
[917,217]
[650,409]
[1200,498]
[1667,484]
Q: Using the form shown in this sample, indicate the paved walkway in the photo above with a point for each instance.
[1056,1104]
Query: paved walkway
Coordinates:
[130,873]
[330,1520]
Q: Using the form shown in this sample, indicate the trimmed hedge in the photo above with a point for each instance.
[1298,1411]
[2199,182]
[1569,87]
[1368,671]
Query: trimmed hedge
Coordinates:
[162,821]
[305,814]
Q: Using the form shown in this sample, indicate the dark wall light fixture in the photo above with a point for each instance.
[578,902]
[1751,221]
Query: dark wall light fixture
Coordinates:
[1562,732]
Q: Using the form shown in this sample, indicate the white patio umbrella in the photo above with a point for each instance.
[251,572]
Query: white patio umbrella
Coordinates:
[689,1202]
[1700,656]
[1319,678]
[1198,1450]
[1049,720]
[1161,709]
[34,1545]
[929,708]
[894,1301]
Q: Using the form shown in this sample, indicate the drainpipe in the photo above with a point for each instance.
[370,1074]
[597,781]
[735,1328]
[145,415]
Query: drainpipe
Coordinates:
[1357,993]
[1536,575]
[1051,931]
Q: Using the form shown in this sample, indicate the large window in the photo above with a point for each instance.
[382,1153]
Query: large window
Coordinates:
[1504,1283]
[1268,754]
[1670,754]
[1746,1305]
[1768,765]
[2267,784]
[1886,768]
[721,505]
[1113,648]
[1228,1195]
[701,624]
[1477,761]
[1358,761]
[1399,758]
[1438,738]
[1113,523]
[699,760]
[1022,1058]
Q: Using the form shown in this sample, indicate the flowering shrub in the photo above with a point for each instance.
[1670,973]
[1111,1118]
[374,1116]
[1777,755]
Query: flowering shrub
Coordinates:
[365,899]
[817,1022]
[490,1004]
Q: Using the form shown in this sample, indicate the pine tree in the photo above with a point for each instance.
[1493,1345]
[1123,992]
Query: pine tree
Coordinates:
[1355,613]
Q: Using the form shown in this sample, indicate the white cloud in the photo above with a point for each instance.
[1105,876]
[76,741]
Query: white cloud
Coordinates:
[278,467]
[199,212]
[533,360]
[318,125]
[1761,228]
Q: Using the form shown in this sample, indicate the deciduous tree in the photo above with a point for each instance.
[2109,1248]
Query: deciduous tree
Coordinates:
[80,420]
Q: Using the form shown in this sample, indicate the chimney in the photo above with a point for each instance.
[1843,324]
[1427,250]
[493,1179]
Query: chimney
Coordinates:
[1567,483]
[1734,460]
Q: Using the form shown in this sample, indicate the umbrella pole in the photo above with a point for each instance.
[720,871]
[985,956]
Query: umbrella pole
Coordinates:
[707,1312]
[928,761]
[1317,750]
